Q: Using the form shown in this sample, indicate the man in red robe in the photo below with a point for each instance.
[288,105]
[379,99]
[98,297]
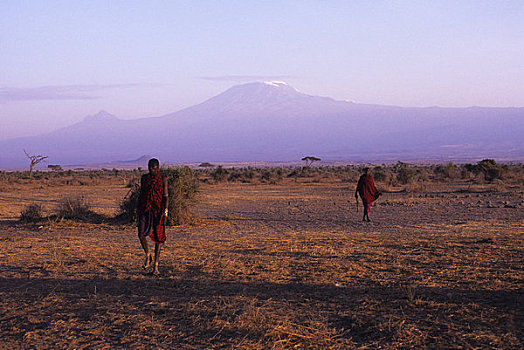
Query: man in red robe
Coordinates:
[367,191]
[151,208]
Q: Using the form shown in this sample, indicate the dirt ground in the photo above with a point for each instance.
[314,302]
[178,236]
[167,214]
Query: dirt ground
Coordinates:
[270,267]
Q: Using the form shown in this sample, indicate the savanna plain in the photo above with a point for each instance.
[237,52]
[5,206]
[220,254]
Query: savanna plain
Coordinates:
[269,259]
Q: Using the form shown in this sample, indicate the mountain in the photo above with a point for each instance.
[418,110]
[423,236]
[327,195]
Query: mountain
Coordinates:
[274,122]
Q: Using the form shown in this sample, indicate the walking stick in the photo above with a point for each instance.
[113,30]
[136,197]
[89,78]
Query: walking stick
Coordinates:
[356,203]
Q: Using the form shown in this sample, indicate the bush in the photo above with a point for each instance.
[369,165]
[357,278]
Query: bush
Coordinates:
[183,189]
[487,167]
[379,174]
[220,174]
[272,176]
[448,171]
[127,206]
[74,209]
[31,213]
[405,174]
[182,185]
[244,175]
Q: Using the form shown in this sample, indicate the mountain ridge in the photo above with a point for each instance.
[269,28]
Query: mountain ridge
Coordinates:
[275,122]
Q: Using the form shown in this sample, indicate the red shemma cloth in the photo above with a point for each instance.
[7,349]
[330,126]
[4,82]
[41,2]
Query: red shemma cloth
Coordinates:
[366,188]
[151,195]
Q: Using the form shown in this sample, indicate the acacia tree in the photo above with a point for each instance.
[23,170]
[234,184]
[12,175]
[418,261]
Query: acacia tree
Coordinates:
[309,160]
[35,159]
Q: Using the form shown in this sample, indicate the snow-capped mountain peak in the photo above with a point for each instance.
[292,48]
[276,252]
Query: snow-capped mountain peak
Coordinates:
[276,83]
[272,121]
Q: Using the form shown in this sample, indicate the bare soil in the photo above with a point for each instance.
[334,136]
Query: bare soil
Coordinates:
[269,267]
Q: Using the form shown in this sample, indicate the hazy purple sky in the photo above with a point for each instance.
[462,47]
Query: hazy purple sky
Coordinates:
[63,60]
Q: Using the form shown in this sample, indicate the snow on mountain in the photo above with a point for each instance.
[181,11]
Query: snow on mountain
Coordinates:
[277,84]
[263,101]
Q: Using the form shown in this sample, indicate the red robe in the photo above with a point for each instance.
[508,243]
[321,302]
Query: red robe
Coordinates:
[150,200]
[366,189]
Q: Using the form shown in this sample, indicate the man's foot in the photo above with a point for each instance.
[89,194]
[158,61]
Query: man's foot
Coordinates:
[147,263]
[368,220]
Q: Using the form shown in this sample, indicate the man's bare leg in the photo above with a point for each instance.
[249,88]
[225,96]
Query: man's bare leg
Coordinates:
[145,246]
[366,212]
[157,258]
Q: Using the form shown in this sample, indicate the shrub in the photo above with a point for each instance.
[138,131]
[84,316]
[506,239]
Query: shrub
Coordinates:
[74,208]
[127,206]
[243,175]
[423,174]
[182,185]
[464,172]
[301,172]
[379,174]
[220,174]
[31,213]
[492,171]
[271,176]
[183,189]
[405,174]
[249,174]
[448,171]
[487,167]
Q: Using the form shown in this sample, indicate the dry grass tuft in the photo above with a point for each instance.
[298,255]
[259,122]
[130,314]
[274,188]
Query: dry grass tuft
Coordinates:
[74,208]
[31,213]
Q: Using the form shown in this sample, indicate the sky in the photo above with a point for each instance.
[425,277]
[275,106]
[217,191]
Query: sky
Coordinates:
[63,60]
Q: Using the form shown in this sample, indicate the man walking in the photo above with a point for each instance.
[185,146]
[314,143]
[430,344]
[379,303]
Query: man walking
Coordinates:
[367,191]
[151,208]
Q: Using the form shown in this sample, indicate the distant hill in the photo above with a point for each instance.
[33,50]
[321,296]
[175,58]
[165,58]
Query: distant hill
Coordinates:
[274,122]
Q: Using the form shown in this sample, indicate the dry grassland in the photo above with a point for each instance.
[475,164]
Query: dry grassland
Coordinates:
[287,266]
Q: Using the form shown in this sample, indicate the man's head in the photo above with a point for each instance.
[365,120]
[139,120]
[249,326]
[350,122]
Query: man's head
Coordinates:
[365,171]
[153,165]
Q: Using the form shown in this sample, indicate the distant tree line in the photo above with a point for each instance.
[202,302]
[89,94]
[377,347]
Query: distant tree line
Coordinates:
[184,183]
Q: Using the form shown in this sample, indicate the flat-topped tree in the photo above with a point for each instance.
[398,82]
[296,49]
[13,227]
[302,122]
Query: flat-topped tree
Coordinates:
[309,160]
[35,159]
